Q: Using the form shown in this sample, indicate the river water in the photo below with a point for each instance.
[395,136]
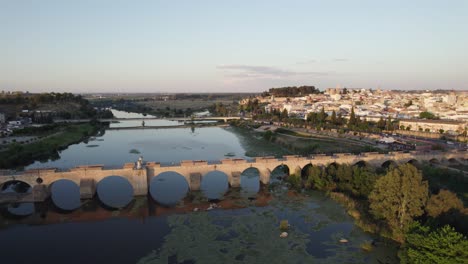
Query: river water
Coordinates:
[172,224]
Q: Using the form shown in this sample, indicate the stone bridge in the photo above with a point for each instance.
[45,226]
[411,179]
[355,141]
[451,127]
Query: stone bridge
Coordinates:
[87,177]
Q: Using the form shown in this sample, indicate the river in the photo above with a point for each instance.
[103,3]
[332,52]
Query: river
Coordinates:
[172,224]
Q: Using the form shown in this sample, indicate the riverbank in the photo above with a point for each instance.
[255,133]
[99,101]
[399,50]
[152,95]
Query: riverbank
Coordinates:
[18,155]
[287,142]
[255,144]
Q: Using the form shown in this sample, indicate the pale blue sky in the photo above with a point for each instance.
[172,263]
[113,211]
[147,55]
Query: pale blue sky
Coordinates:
[231,46]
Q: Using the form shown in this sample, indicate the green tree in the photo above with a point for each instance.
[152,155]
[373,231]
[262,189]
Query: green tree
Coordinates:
[427,245]
[381,123]
[389,125]
[322,116]
[427,115]
[352,118]
[442,203]
[284,114]
[333,118]
[399,196]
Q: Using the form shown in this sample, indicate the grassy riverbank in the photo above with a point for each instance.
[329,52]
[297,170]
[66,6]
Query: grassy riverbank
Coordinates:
[256,145]
[287,142]
[18,155]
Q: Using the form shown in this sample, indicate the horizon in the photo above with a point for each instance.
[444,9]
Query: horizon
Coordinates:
[223,47]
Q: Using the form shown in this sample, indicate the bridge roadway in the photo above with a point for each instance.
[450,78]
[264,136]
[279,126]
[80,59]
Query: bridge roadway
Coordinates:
[87,177]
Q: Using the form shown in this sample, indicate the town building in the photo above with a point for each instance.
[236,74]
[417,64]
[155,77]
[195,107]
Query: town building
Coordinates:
[436,126]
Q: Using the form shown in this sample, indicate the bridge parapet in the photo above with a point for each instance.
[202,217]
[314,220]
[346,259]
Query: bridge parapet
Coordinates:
[187,163]
[233,161]
[88,167]
[267,159]
[40,171]
[153,164]
[129,165]
[339,155]
[321,156]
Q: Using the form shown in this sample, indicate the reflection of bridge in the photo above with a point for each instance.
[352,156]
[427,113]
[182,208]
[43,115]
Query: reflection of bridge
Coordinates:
[87,177]
[140,208]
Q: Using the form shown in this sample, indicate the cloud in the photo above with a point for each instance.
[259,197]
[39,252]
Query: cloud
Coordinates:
[340,59]
[306,62]
[236,71]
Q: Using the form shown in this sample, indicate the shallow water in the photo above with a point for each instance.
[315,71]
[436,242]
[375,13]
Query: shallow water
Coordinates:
[239,231]
[172,224]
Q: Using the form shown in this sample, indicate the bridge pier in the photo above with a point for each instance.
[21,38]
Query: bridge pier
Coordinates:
[40,193]
[265,175]
[87,188]
[235,179]
[195,181]
[139,181]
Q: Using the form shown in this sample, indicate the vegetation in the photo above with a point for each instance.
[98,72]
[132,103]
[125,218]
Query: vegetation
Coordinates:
[292,91]
[399,196]
[173,105]
[425,244]
[18,155]
[41,108]
[391,203]
[427,115]
[443,202]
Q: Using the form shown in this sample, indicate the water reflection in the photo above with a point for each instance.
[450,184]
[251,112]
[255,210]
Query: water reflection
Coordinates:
[148,123]
[163,145]
[115,191]
[250,182]
[65,194]
[214,185]
[18,187]
[168,188]
[237,229]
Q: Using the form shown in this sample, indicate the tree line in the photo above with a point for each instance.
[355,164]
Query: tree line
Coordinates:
[291,91]
[397,202]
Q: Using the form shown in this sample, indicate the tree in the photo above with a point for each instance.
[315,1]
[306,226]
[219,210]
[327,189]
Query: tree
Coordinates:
[381,124]
[428,245]
[388,124]
[322,116]
[333,118]
[284,114]
[427,115]
[352,118]
[399,196]
[442,203]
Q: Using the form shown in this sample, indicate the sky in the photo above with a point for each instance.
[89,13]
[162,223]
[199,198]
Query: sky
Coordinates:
[231,46]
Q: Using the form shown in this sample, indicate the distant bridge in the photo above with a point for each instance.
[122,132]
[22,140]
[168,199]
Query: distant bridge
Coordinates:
[87,177]
[211,118]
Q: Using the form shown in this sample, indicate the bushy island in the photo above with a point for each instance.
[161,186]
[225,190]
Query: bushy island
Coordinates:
[52,139]
[416,205]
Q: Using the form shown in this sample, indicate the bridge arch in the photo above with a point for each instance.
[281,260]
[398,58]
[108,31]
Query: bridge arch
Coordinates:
[453,161]
[114,191]
[214,184]
[305,170]
[434,161]
[414,162]
[168,188]
[389,164]
[279,173]
[361,164]
[250,182]
[17,186]
[65,194]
